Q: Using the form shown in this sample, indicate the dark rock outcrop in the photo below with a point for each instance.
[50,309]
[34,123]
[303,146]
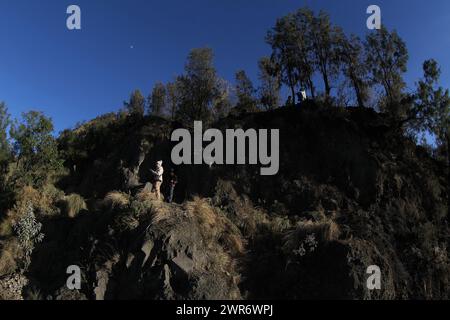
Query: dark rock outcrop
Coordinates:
[351,192]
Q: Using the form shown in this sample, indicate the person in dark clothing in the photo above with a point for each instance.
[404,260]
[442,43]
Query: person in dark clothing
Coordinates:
[173,180]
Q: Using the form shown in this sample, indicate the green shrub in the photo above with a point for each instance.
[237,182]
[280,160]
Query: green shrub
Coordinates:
[28,232]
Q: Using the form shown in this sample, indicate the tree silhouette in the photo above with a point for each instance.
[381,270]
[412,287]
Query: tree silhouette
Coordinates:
[432,107]
[35,149]
[136,104]
[324,38]
[351,53]
[5,148]
[198,87]
[270,78]
[157,99]
[387,58]
[245,92]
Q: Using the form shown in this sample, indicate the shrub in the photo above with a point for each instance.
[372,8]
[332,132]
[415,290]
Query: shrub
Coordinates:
[159,211]
[6,227]
[116,199]
[146,194]
[9,255]
[141,208]
[28,232]
[125,222]
[33,294]
[73,204]
[43,201]
[205,215]
[308,235]
[215,226]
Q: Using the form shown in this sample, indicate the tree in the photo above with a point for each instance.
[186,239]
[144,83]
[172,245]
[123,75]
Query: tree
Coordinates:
[269,91]
[305,65]
[431,111]
[353,66]
[5,149]
[302,44]
[324,38]
[35,149]
[387,57]
[285,52]
[173,98]
[157,99]
[136,104]
[245,92]
[223,102]
[198,87]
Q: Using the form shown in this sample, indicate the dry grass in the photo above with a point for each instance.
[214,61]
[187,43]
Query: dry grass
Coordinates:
[43,201]
[206,217]
[10,254]
[240,209]
[73,204]
[6,229]
[160,211]
[116,199]
[126,222]
[234,243]
[215,227]
[323,231]
[145,195]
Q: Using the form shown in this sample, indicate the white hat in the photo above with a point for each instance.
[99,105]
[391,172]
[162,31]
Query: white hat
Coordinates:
[159,163]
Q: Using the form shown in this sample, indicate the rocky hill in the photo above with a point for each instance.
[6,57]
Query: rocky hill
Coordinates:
[351,192]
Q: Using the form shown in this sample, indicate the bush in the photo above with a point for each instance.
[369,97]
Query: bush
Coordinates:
[43,201]
[9,255]
[141,208]
[125,222]
[28,232]
[308,235]
[116,199]
[73,204]
[215,226]
[6,227]
[145,195]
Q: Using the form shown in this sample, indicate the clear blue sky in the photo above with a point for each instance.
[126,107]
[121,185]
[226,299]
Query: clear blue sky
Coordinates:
[77,75]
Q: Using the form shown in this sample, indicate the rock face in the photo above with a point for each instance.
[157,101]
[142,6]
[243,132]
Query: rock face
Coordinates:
[143,249]
[352,192]
[170,260]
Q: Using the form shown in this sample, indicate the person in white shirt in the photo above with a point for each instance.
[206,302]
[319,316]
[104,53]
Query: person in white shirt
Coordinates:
[158,179]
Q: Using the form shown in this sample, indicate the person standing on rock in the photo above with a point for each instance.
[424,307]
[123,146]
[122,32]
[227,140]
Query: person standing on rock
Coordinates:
[172,183]
[158,179]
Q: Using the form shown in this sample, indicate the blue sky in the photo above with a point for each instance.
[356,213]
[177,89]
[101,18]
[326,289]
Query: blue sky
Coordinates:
[128,44]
